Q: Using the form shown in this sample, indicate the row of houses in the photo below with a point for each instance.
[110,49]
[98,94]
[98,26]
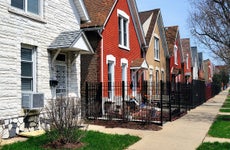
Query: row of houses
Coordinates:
[52,48]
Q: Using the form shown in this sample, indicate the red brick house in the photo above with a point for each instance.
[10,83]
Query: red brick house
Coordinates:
[175,52]
[187,60]
[119,45]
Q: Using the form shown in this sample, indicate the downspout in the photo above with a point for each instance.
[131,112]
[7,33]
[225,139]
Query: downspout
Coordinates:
[102,58]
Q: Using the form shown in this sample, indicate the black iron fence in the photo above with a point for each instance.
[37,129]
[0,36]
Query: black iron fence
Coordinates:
[147,102]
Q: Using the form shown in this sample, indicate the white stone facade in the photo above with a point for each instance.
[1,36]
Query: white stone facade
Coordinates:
[18,27]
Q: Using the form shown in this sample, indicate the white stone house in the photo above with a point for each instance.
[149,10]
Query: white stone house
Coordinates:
[40,48]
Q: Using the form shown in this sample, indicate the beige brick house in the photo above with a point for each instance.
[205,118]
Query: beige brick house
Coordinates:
[157,51]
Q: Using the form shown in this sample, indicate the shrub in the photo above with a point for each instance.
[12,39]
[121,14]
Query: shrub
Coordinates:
[64,117]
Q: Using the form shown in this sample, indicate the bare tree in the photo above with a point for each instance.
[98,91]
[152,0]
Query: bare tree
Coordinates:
[210,23]
[66,125]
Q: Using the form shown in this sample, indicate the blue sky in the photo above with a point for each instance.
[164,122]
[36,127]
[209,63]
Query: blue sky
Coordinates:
[175,13]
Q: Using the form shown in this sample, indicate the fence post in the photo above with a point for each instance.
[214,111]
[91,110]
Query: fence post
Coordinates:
[161,97]
[179,97]
[86,100]
[123,100]
[186,97]
[170,108]
[100,98]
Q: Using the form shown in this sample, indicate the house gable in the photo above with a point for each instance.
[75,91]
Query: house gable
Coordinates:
[109,21]
[154,32]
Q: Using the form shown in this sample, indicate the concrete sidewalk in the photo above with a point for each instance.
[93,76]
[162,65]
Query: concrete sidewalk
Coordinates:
[188,132]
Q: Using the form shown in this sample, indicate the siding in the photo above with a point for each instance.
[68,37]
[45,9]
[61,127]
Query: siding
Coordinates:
[16,29]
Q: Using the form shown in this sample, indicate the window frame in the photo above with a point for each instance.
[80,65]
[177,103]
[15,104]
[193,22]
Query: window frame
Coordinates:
[187,57]
[26,7]
[162,75]
[111,62]
[157,81]
[123,30]
[175,54]
[33,61]
[156,48]
[36,17]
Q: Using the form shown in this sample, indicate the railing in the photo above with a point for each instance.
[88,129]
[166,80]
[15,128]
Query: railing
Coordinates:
[142,102]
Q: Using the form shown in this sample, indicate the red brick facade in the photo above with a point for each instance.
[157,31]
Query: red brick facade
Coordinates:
[111,43]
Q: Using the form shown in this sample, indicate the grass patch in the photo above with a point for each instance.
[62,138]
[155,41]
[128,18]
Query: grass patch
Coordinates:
[101,141]
[93,140]
[214,146]
[220,127]
[226,105]
[227,100]
[225,110]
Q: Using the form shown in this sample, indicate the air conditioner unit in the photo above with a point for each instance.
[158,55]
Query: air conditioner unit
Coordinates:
[32,100]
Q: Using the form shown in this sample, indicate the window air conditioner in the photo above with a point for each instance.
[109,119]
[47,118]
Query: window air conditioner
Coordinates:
[32,100]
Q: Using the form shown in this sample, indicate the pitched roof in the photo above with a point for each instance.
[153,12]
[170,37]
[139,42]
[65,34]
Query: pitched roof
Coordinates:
[98,11]
[139,63]
[82,10]
[71,40]
[137,23]
[171,35]
[146,15]
[185,46]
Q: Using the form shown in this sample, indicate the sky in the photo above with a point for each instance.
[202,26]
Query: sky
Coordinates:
[176,13]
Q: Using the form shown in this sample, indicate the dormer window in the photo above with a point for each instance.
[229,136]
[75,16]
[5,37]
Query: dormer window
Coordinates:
[123,29]
[175,55]
[31,6]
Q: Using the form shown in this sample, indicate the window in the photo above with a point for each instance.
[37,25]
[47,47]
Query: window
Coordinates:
[32,6]
[150,82]
[27,68]
[110,79]
[157,81]
[123,29]
[156,49]
[175,55]
[124,77]
[187,61]
[162,76]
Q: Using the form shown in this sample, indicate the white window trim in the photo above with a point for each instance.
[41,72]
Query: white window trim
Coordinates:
[34,55]
[124,61]
[110,58]
[23,12]
[157,76]
[157,59]
[187,61]
[126,16]
[162,75]
[175,54]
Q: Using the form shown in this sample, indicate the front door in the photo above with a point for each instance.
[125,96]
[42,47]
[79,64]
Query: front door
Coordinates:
[61,78]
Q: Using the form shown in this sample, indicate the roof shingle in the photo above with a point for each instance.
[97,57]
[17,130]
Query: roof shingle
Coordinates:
[185,46]
[65,39]
[98,11]
[171,34]
[144,16]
